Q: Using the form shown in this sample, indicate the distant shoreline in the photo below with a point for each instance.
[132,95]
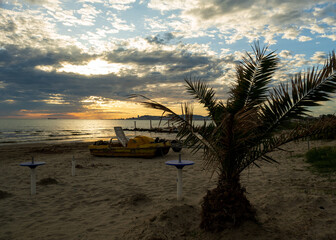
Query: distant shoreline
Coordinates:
[150,117]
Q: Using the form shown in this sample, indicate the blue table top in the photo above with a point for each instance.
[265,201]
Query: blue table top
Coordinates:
[179,164]
[32,164]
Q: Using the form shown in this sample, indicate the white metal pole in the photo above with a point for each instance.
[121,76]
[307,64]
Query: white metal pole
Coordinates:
[33,182]
[73,172]
[179,184]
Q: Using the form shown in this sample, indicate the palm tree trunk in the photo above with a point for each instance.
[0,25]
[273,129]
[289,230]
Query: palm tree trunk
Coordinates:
[225,206]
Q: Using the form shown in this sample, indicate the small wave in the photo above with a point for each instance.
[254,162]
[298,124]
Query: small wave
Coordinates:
[58,135]
[75,132]
[81,134]
[4,142]
[56,139]
[20,131]
[35,133]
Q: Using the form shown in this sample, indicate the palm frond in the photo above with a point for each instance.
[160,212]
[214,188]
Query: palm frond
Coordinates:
[306,90]
[184,122]
[253,75]
[303,130]
[206,96]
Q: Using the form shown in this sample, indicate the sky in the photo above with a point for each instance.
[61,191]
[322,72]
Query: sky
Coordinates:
[82,59]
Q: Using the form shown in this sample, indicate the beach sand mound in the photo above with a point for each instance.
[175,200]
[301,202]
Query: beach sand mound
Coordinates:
[177,222]
[47,181]
[182,222]
[4,194]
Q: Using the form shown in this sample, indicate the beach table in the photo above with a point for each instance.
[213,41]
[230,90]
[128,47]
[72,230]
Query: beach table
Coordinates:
[32,165]
[179,164]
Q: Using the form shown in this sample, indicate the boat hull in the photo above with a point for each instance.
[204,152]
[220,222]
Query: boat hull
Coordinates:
[108,150]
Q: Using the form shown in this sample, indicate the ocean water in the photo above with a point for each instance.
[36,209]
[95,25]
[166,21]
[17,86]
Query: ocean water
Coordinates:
[18,131]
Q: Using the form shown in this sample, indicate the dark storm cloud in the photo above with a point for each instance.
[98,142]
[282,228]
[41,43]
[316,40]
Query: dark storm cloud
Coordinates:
[27,57]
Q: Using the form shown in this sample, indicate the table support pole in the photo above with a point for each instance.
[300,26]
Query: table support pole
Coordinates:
[33,181]
[179,184]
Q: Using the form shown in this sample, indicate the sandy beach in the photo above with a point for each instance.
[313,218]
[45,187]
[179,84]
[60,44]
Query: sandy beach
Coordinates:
[129,198]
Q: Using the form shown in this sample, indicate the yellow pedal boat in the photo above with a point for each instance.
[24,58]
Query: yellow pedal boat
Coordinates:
[140,146]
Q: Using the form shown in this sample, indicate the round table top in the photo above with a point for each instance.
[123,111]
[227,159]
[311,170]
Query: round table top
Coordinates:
[32,164]
[179,164]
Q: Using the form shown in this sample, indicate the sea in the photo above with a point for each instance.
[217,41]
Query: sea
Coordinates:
[20,131]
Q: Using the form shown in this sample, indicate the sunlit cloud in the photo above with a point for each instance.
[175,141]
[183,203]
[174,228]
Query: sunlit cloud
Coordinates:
[304,38]
[331,36]
[156,24]
[119,4]
[285,54]
[120,24]
[9,101]
[169,5]
[45,3]
[94,67]
[319,57]
[2,84]
[45,68]
[55,99]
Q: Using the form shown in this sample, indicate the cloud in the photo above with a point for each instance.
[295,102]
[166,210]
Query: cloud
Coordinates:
[168,5]
[88,14]
[262,18]
[2,84]
[91,1]
[331,36]
[120,5]
[304,38]
[156,24]
[23,29]
[285,54]
[120,24]
[319,57]
[290,33]
[158,39]
[45,3]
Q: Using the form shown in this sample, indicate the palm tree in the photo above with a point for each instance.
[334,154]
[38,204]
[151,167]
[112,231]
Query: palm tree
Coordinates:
[245,128]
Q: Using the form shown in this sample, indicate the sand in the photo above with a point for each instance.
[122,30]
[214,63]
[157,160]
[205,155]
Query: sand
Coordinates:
[128,198]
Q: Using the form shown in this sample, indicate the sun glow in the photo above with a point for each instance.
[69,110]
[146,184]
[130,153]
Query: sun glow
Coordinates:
[106,108]
[94,67]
